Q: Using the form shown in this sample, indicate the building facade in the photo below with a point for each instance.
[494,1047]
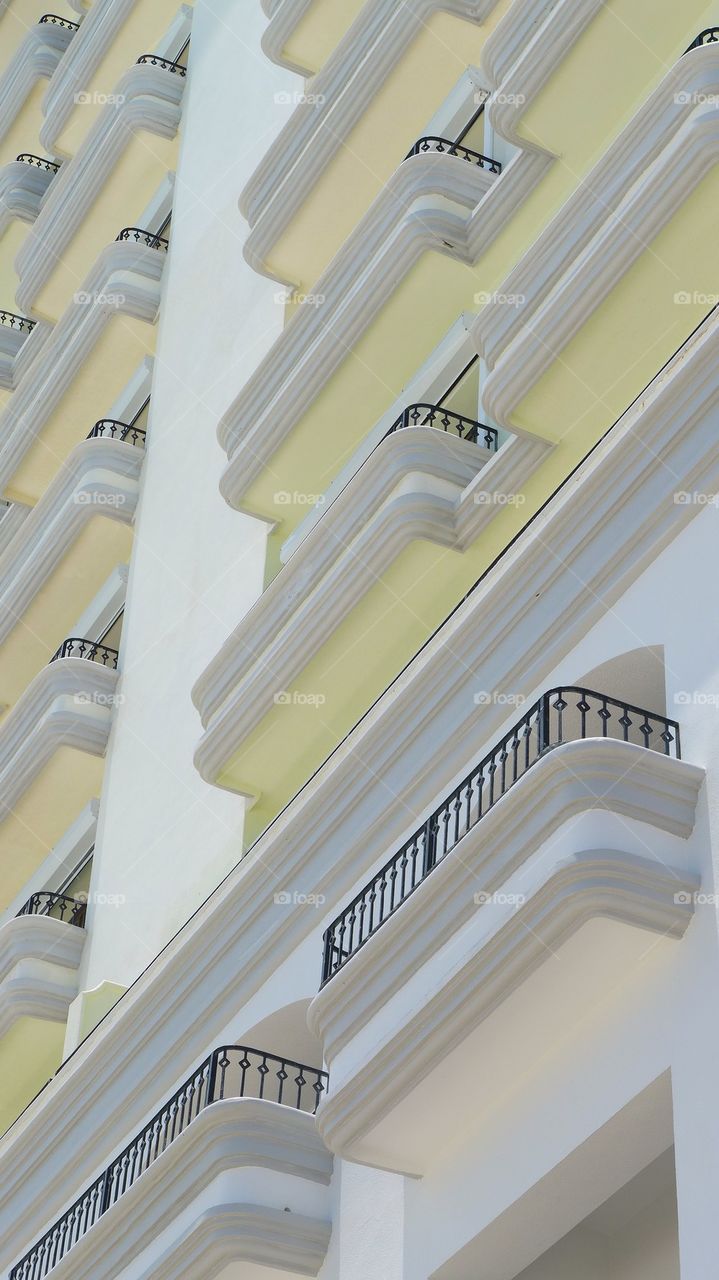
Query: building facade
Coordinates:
[359,818]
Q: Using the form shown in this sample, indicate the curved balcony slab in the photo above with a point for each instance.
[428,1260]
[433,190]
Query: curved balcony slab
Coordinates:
[34,61]
[80,214]
[268,1159]
[574,778]
[106,324]
[432,202]
[51,748]
[39,960]
[646,257]
[617,513]
[416,487]
[111,38]
[662,118]
[62,554]
[493,1006]
[22,189]
[19,346]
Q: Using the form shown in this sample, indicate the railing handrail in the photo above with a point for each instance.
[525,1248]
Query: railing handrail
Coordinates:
[93,647]
[198,1091]
[151,240]
[29,157]
[468,428]
[433,142]
[154,59]
[8,318]
[126,429]
[422,845]
[57,21]
[43,902]
[713,38]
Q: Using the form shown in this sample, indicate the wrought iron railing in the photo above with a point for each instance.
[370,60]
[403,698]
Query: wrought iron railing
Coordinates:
[560,715]
[111,428]
[230,1072]
[709,36]
[143,237]
[57,905]
[91,650]
[57,21]
[154,60]
[447,147]
[13,321]
[39,162]
[434,415]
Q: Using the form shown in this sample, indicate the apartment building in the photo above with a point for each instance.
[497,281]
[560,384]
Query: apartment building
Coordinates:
[359,453]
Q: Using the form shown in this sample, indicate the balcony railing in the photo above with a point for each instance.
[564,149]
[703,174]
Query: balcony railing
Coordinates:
[560,715]
[446,146]
[434,415]
[91,650]
[709,36]
[39,162]
[154,60]
[144,237]
[13,321]
[57,905]
[230,1072]
[111,428]
[57,21]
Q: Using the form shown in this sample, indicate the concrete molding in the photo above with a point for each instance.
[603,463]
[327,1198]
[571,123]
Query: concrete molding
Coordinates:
[97,32]
[14,344]
[39,961]
[577,777]
[149,99]
[233,1134]
[618,886]
[37,56]
[393,500]
[100,477]
[432,202]
[235,1233]
[616,515]
[131,271]
[626,230]
[22,189]
[69,704]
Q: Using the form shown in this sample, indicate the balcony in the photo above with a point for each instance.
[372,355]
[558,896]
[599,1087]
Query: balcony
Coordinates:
[241,1110]
[709,36]
[445,146]
[100,341]
[434,980]
[40,953]
[28,62]
[112,429]
[38,162]
[89,650]
[62,554]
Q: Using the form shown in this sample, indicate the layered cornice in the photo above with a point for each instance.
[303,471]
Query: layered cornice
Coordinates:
[39,959]
[146,98]
[100,477]
[125,280]
[227,1136]
[432,202]
[632,891]
[22,188]
[417,484]
[555,582]
[577,777]
[37,57]
[233,1233]
[18,350]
